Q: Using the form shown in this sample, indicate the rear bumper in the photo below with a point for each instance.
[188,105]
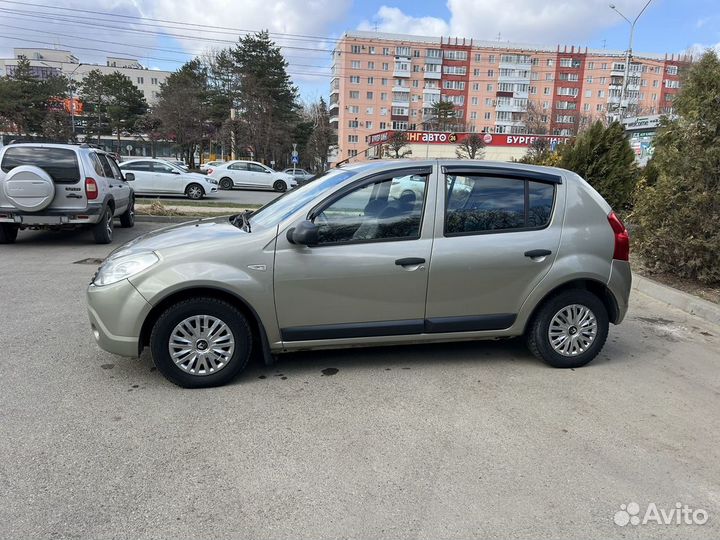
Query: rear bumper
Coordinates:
[619,284]
[76,216]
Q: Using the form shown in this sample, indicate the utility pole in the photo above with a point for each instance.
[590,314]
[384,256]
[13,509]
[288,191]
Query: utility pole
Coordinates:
[628,55]
[72,97]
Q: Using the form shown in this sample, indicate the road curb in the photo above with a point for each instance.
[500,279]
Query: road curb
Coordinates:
[165,219]
[678,299]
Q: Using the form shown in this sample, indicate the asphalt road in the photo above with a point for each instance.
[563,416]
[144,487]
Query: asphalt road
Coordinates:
[442,441]
[241,196]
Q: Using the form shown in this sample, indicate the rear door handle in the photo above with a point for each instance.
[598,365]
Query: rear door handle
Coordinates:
[409,261]
[534,253]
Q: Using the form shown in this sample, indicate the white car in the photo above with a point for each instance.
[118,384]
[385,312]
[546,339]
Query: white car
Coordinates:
[211,165]
[158,177]
[250,174]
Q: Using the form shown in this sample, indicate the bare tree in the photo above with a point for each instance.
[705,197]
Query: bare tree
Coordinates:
[472,147]
[536,119]
[396,145]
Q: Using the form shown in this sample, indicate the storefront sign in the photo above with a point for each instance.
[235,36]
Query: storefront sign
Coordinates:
[439,137]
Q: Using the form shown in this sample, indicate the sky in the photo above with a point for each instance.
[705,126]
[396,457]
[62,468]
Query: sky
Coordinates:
[163,34]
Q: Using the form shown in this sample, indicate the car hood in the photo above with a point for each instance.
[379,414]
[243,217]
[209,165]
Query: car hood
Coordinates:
[184,234]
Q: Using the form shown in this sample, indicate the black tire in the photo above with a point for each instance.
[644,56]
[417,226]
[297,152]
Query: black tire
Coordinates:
[194,192]
[537,334]
[174,315]
[127,219]
[8,233]
[103,229]
[280,186]
[226,183]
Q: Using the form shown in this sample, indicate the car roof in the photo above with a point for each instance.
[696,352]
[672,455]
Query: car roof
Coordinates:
[389,164]
[54,145]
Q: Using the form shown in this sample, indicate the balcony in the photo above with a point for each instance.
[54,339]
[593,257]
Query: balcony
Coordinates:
[334,120]
[432,75]
[510,108]
[401,73]
[334,107]
[512,65]
[617,73]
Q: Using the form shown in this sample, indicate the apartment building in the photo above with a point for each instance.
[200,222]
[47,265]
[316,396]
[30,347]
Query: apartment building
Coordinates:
[47,63]
[391,82]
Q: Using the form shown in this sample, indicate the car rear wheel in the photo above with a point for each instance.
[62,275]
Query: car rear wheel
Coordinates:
[194,192]
[127,219]
[569,330]
[103,229]
[280,186]
[8,233]
[201,342]
[226,183]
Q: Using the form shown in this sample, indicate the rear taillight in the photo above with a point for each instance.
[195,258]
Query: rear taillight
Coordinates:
[209,171]
[91,189]
[622,238]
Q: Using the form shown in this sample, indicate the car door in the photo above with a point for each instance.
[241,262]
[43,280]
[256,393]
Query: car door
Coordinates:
[142,179]
[167,178]
[367,276]
[123,190]
[497,235]
[116,187]
[259,176]
[239,173]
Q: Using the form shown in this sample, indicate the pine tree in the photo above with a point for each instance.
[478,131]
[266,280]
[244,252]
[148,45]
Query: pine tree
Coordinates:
[602,156]
[678,217]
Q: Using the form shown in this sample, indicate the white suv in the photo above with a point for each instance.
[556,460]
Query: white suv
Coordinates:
[250,174]
[56,186]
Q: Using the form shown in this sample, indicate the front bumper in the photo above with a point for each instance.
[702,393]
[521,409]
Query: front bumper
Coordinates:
[117,313]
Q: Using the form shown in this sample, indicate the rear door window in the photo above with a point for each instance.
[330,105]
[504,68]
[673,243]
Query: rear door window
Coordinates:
[107,170]
[482,204]
[60,163]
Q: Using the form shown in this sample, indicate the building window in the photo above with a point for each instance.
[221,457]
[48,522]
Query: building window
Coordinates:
[491,73]
[588,93]
[354,79]
[355,49]
[672,70]
[455,55]
[434,53]
[474,101]
[352,138]
[354,94]
[371,65]
[550,62]
[383,125]
[372,50]
[369,95]
[491,59]
[591,65]
[386,66]
[353,124]
[153,81]
[354,109]
[383,96]
[386,51]
[383,81]
[402,51]
[368,124]
[140,80]
[352,153]
[473,115]
[489,87]
[488,116]
[355,64]
[371,80]
[383,111]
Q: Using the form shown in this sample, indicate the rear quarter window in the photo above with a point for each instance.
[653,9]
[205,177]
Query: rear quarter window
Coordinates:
[60,163]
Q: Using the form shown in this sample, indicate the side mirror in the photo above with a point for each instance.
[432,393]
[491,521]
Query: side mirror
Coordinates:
[176,172]
[130,177]
[305,234]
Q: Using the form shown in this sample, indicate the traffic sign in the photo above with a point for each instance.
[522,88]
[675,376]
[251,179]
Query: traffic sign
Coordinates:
[295,160]
[294,153]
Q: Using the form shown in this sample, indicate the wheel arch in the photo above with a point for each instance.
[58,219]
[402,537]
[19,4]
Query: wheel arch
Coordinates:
[257,328]
[594,286]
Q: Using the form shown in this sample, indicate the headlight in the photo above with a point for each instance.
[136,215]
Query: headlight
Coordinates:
[121,268]
[211,180]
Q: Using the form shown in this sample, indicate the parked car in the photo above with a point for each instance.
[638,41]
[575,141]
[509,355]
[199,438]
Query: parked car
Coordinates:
[62,186]
[250,174]
[300,175]
[179,164]
[487,251]
[158,177]
[210,164]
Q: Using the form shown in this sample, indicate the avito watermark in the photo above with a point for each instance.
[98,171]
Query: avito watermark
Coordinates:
[680,514]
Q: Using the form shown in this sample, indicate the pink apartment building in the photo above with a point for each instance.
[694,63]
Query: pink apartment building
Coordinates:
[390,82]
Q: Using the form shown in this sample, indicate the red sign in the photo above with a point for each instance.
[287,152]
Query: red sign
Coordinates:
[439,137]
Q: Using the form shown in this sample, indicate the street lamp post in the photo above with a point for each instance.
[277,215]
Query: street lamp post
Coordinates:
[72,96]
[628,54]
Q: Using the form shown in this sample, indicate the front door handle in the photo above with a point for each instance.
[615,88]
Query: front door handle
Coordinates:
[409,261]
[534,253]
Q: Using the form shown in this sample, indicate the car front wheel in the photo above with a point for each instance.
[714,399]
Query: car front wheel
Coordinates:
[201,342]
[194,192]
[569,330]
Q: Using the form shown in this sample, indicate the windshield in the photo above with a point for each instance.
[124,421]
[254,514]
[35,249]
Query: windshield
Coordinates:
[282,207]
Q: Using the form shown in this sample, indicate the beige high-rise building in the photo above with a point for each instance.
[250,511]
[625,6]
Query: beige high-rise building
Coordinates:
[389,82]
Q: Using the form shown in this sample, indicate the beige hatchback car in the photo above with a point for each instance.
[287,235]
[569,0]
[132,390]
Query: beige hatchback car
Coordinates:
[380,253]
